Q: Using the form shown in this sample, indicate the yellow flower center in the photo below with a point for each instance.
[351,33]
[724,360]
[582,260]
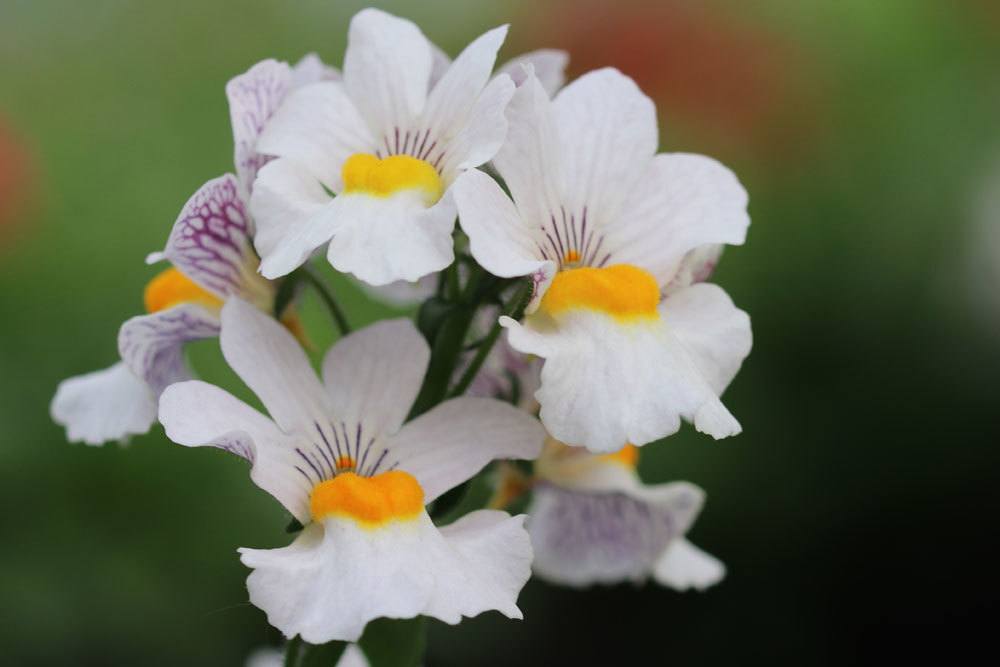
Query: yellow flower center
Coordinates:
[622,291]
[171,287]
[365,173]
[627,456]
[370,501]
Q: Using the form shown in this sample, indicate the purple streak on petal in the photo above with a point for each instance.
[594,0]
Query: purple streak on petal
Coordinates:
[152,345]
[210,242]
[253,98]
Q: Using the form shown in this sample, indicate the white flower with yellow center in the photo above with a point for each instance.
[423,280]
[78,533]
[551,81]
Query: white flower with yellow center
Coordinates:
[337,455]
[593,521]
[366,164]
[606,227]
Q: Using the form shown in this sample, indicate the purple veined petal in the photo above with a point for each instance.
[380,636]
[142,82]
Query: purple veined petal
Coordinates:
[211,243]
[152,345]
[254,96]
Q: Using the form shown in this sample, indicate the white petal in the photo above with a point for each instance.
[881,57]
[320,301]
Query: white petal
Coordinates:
[337,576]
[105,405]
[500,240]
[384,239]
[453,97]
[587,537]
[387,69]
[483,133]
[682,202]
[529,161]
[196,414]
[608,134]
[373,375]
[685,566]
[253,98]
[696,267]
[451,443]
[311,69]
[549,66]
[605,384]
[319,127]
[152,346]
[270,361]
[294,216]
[715,333]
[265,657]
[403,293]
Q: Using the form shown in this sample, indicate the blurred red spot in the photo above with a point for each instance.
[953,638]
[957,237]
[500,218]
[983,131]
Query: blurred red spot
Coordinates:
[15,183]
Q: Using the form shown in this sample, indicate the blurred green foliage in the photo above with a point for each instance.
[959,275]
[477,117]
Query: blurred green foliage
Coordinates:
[845,511]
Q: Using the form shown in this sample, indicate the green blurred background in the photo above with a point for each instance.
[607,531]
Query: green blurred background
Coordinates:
[855,513]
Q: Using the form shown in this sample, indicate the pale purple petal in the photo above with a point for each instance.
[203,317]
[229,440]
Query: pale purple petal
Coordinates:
[211,241]
[311,69]
[152,345]
[253,98]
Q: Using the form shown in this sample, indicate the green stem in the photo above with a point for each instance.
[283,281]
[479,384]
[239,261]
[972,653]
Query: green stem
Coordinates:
[309,275]
[292,648]
[515,309]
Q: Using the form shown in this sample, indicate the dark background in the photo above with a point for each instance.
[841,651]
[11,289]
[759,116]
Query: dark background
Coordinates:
[857,511]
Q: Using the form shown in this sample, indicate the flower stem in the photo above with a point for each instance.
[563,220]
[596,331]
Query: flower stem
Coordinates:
[514,308]
[310,276]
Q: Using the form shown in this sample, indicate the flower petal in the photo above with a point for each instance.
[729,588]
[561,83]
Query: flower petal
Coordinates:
[197,414]
[682,202]
[549,66]
[683,566]
[499,238]
[311,69]
[373,375]
[403,293]
[337,575]
[294,216]
[210,243]
[483,133]
[715,333]
[607,136]
[384,239]
[152,346]
[269,360]
[319,127]
[105,405]
[605,383]
[253,97]
[387,69]
[451,443]
[586,537]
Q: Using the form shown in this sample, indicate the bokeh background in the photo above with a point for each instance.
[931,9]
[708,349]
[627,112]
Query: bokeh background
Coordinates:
[855,513]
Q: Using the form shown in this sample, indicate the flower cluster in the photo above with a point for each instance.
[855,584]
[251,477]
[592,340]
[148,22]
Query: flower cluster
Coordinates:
[567,323]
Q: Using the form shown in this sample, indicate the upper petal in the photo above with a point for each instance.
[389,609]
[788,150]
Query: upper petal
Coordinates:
[373,375]
[549,66]
[483,133]
[211,243]
[387,69]
[607,136]
[198,414]
[109,404]
[270,361]
[451,443]
[253,98]
[152,346]
[681,202]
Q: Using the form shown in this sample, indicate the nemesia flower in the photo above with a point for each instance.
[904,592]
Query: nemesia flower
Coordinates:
[366,164]
[337,455]
[604,225]
[212,255]
[593,521]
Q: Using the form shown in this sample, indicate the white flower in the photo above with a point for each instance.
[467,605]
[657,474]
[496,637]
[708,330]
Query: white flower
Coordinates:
[212,256]
[366,164]
[603,225]
[593,521]
[337,455]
